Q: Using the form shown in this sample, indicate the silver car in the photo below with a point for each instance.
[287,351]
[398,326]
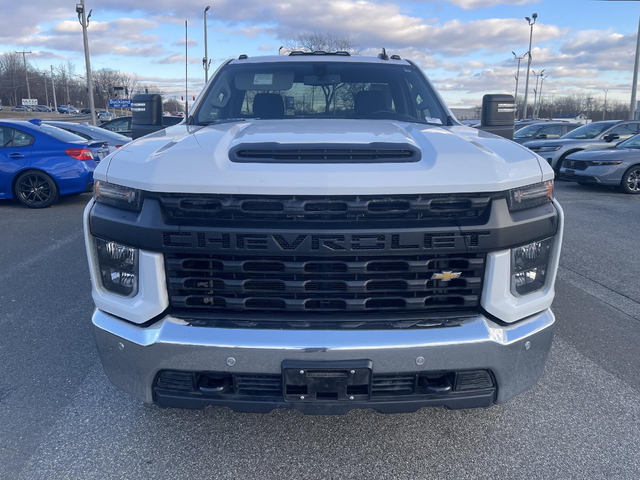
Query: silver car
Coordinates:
[619,166]
[543,131]
[596,135]
[115,140]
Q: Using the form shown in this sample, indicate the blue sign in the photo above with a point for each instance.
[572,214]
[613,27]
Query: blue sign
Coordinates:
[119,103]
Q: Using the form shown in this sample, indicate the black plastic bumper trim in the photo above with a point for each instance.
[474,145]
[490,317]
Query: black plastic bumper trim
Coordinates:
[477,399]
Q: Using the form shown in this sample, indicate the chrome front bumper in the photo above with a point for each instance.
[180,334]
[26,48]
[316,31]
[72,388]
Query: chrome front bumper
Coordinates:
[132,356]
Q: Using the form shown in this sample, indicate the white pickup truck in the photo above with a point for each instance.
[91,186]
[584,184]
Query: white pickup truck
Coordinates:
[322,234]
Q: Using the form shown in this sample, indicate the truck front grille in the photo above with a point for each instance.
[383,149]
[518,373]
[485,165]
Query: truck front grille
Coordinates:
[312,289]
[362,209]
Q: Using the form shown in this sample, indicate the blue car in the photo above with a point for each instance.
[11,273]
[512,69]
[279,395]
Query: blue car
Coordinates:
[39,162]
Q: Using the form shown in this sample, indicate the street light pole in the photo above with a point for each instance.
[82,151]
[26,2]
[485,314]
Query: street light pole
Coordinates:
[634,85]
[542,79]
[604,112]
[206,63]
[535,93]
[83,18]
[526,91]
[186,71]
[518,75]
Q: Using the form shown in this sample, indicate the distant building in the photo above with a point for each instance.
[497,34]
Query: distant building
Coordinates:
[572,117]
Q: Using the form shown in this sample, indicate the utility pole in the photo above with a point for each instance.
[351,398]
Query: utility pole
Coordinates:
[604,111]
[518,75]
[634,85]
[26,71]
[83,18]
[53,87]
[186,71]
[526,88]
[206,63]
[46,92]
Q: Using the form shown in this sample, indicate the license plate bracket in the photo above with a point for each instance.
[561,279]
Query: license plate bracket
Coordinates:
[330,381]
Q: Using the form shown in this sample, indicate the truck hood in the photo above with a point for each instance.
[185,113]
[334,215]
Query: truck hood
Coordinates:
[196,159]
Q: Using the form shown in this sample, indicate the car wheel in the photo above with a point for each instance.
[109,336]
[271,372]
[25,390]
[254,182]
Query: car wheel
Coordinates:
[631,180]
[36,189]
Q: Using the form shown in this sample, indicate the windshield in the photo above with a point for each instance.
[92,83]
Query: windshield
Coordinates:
[591,130]
[528,132]
[296,90]
[633,142]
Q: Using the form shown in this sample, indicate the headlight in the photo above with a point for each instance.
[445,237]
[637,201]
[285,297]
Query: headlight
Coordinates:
[118,267]
[529,266]
[597,164]
[530,196]
[550,148]
[118,195]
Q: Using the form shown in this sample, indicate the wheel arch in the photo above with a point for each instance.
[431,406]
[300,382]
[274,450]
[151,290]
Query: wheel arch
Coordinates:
[14,180]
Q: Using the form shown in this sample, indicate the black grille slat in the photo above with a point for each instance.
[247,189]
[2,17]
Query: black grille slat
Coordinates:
[365,208]
[268,385]
[304,286]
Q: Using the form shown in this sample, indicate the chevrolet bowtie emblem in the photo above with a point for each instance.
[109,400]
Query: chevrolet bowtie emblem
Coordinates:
[446,276]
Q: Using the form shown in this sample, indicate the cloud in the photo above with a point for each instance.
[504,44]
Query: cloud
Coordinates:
[190,42]
[132,41]
[475,4]
[266,48]
[177,58]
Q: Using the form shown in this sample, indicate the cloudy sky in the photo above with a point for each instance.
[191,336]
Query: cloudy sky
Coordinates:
[463,45]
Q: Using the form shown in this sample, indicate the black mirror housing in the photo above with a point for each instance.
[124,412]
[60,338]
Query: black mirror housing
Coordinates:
[499,115]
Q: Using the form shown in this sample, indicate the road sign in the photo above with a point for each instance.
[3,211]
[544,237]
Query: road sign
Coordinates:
[30,102]
[119,103]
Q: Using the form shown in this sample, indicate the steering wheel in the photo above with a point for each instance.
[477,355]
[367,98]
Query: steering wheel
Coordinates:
[379,113]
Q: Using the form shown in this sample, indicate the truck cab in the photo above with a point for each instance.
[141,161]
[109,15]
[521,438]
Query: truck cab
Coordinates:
[322,234]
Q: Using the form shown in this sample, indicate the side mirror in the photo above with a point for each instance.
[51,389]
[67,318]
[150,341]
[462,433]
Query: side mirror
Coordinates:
[499,115]
[611,137]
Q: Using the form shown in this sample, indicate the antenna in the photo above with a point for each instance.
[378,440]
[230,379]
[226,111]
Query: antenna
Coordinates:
[383,55]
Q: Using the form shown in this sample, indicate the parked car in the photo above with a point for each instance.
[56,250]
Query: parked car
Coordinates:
[525,123]
[605,134]
[39,162]
[68,109]
[177,114]
[375,255]
[87,111]
[618,166]
[166,114]
[543,131]
[112,140]
[20,108]
[42,108]
[122,125]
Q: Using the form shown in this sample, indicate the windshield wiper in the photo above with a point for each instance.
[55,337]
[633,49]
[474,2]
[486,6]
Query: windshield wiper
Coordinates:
[225,120]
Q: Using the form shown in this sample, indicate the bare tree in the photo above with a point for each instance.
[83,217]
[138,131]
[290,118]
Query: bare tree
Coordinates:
[173,105]
[321,42]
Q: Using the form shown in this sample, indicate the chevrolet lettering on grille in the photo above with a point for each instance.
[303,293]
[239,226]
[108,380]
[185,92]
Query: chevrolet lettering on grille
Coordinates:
[328,242]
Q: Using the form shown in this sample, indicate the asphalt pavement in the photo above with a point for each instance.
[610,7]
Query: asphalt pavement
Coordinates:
[61,418]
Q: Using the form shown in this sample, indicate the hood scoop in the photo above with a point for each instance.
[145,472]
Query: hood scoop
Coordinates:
[305,153]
